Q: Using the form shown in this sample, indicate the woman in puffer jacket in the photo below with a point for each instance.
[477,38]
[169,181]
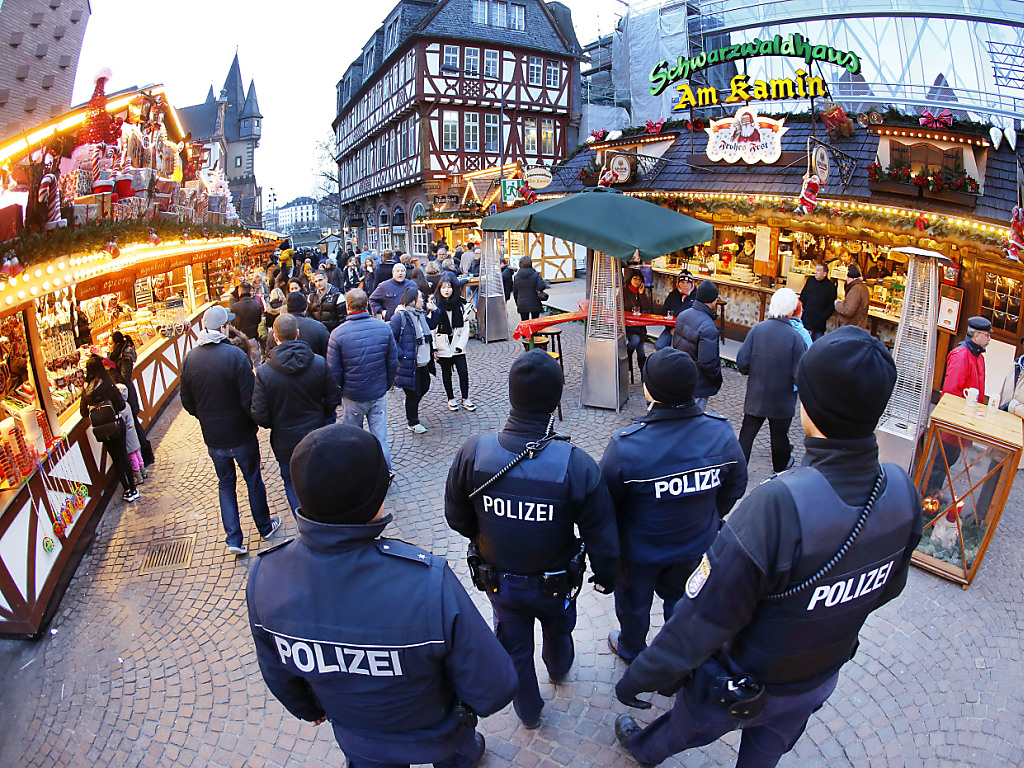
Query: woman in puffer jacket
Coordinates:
[413,332]
[451,333]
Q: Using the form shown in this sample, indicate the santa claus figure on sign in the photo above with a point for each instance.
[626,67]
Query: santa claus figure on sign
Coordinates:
[745,130]
[809,194]
[1015,245]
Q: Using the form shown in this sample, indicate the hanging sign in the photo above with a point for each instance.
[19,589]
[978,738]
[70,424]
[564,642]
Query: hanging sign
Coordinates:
[510,190]
[746,136]
[537,177]
[619,165]
[822,167]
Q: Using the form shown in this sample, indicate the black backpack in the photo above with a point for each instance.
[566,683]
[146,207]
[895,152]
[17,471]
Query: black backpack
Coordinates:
[104,421]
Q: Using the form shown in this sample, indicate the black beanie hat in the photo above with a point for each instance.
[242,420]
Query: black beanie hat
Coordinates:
[853,271]
[296,303]
[535,382]
[706,293]
[670,376]
[845,380]
[339,475]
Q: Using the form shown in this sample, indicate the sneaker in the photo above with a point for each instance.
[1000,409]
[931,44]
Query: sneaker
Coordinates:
[131,496]
[625,729]
[418,429]
[468,404]
[453,405]
[239,551]
[275,523]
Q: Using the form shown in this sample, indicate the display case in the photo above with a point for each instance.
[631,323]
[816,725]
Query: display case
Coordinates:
[1001,303]
[964,474]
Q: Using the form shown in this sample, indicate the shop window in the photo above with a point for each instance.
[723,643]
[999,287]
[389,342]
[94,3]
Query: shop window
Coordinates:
[535,72]
[547,137]
[530,134]
[923,155]
[552,76]
[1001,302]
[472,61]
[491,143]
[450,132]
[491,64]
[471,128]
[451,56]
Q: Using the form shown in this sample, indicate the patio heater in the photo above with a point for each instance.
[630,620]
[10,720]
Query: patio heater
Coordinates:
[605,382]
[492,313]
[906,414]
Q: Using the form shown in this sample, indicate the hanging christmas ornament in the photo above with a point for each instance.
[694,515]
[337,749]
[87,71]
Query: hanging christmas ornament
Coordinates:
[112,249]
[1011,137]
[1015,244]
[154,238]
[808,194]
[996,135]
[49,196]
[921,222]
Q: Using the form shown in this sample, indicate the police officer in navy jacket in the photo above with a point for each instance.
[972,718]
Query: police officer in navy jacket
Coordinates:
[374,634]
[523,526]
[773,610]
[673,477]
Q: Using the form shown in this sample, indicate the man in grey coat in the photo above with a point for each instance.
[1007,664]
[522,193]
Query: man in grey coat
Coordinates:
[769,356]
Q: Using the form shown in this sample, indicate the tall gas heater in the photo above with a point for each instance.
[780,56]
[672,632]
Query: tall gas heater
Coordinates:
[906,414]
[605,382]
[492,314]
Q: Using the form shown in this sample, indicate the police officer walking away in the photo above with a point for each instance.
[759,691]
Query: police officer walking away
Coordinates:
[774,608]
[672,477]
[518,496]
[374,634]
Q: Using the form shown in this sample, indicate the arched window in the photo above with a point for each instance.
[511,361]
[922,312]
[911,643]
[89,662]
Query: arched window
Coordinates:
[383,230]
[420,233]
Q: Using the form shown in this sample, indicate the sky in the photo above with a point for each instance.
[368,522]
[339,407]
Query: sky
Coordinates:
[296,52]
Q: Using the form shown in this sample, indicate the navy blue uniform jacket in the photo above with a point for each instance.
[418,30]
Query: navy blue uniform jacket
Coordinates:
[374,633]
[672,477]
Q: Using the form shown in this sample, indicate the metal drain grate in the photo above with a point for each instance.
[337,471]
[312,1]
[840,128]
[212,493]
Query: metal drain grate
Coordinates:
[169,554]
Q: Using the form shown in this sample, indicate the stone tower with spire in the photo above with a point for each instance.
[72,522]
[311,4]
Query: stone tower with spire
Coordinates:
[229,126]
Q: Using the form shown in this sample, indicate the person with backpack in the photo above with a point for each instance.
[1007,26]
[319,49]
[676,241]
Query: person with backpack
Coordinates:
[101,403]
[413,334]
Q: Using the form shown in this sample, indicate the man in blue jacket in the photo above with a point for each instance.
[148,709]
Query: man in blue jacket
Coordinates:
[363,357]
[673,477]
[697,335]
[376,635]
[216,387]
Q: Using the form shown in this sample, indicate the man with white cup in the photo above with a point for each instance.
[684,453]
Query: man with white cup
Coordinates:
[965,377]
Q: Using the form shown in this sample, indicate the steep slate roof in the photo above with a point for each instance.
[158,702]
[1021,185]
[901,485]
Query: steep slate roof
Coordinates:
[251,108]
[673,174]
[236,99]
[201,119]
[450,19]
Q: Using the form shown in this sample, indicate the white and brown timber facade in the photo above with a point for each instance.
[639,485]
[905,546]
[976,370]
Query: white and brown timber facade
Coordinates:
[452,94]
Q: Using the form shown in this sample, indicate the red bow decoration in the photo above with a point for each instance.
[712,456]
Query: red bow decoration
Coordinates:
[696,125]
[921,222]
[653,128]
[943,119]
[598,134]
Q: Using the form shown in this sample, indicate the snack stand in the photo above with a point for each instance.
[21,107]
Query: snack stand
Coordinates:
[110,224]
[964,474]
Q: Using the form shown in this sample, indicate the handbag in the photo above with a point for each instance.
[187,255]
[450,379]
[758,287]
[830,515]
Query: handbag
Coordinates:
[105,423]
[542,295]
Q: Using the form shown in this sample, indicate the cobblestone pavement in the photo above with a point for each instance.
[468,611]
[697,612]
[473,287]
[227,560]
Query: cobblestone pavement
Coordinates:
[159,670]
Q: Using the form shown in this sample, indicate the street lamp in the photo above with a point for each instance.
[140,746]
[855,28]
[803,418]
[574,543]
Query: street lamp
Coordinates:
[501,124]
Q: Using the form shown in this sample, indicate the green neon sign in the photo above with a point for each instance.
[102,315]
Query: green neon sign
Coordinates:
[794,45]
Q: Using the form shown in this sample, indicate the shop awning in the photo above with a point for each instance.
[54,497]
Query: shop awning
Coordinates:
[607,221]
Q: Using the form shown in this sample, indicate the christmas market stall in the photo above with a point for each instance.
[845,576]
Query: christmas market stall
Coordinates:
[109,223]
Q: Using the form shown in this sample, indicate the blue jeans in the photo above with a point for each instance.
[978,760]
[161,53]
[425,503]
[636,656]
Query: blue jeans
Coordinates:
[289,490]
[694,721]
[665,340]
[516,606]
[635,342]
[376,413]
[248,457]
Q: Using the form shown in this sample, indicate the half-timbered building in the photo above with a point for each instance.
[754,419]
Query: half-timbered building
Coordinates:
[446,88]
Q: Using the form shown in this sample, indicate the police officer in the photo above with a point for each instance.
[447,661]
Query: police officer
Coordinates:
[374,634]
[773,610]
[524,551]
[673,477]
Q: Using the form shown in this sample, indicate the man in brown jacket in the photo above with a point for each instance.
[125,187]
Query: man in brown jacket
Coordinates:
[853,308]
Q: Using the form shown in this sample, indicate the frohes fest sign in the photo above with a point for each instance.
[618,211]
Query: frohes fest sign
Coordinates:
[741,88]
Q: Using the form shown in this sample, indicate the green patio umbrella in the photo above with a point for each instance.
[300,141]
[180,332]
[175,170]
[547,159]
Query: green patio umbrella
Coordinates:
[607,221]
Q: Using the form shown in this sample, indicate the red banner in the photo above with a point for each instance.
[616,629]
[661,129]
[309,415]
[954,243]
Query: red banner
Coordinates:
[115,282]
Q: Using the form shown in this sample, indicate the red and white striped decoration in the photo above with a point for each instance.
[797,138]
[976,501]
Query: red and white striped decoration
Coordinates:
[50,197]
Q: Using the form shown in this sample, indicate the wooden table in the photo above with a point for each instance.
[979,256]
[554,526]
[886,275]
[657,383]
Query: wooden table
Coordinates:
[961,514]
[527,328]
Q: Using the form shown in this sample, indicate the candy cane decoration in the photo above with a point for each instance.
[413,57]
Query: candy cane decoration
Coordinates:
[50,197]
